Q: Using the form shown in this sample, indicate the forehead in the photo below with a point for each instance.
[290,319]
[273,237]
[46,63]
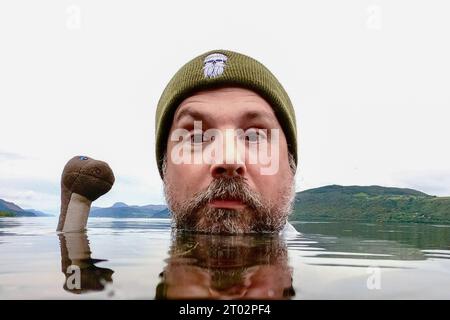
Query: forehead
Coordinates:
[228,101]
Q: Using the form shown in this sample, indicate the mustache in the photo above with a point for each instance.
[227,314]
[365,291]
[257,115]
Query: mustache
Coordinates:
[227,188]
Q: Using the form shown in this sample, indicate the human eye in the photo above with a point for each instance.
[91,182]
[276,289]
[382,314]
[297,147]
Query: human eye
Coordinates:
[254,135]
[198,138]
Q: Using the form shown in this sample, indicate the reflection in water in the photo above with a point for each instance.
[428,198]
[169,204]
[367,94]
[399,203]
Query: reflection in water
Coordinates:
[204,266]
[82,275]
[330,260]
[6,225]
[419,236]
[130,225]
[371,241]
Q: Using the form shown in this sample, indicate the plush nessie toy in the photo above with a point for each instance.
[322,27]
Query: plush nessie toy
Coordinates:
[83,180]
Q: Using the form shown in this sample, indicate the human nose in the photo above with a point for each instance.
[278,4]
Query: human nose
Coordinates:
[232,162]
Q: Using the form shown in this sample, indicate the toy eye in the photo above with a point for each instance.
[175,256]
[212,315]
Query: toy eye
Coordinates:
[83,158]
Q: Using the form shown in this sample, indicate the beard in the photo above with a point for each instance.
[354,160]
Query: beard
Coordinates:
[257,216]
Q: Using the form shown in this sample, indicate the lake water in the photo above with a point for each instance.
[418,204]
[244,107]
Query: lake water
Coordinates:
[143,259]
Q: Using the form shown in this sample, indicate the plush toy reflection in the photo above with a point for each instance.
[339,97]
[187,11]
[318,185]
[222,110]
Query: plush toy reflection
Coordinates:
[82,275]
[83,180]
[204,266]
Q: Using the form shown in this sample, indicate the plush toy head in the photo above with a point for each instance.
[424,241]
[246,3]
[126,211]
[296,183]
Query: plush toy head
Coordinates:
[86,179]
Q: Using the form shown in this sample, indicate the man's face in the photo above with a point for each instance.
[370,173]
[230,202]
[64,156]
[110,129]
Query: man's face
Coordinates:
[227,168]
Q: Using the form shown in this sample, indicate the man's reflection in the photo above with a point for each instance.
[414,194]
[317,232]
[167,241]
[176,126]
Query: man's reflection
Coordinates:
[204,266]
[79,268]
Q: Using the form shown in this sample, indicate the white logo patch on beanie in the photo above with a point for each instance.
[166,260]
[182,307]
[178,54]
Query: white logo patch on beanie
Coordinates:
[214,65]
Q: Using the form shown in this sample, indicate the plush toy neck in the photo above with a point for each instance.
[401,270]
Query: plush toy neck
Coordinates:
[77,213]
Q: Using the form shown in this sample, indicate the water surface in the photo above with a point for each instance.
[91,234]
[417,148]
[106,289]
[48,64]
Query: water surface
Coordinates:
[143,259]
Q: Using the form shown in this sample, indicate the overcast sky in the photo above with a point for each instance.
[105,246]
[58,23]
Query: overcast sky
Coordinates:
[370,82]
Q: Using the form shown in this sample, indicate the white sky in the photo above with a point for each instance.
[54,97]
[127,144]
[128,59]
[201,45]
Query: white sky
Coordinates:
[370,81]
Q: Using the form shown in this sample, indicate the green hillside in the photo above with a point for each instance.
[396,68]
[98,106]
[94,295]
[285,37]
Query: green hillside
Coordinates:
[371,203]
[10,209]
[7,214]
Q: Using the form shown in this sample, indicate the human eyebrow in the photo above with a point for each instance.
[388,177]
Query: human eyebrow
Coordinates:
[186,118]
[187,112]
[264,117]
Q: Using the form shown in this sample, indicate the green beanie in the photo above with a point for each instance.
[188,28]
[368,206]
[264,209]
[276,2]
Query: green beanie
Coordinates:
[221,68]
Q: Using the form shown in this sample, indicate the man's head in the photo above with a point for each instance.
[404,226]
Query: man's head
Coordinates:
[226,146]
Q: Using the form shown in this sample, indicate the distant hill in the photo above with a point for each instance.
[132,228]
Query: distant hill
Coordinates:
[328,203]
[370,203]
[122,210]
[39,213]
[165,213]
[9,209]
